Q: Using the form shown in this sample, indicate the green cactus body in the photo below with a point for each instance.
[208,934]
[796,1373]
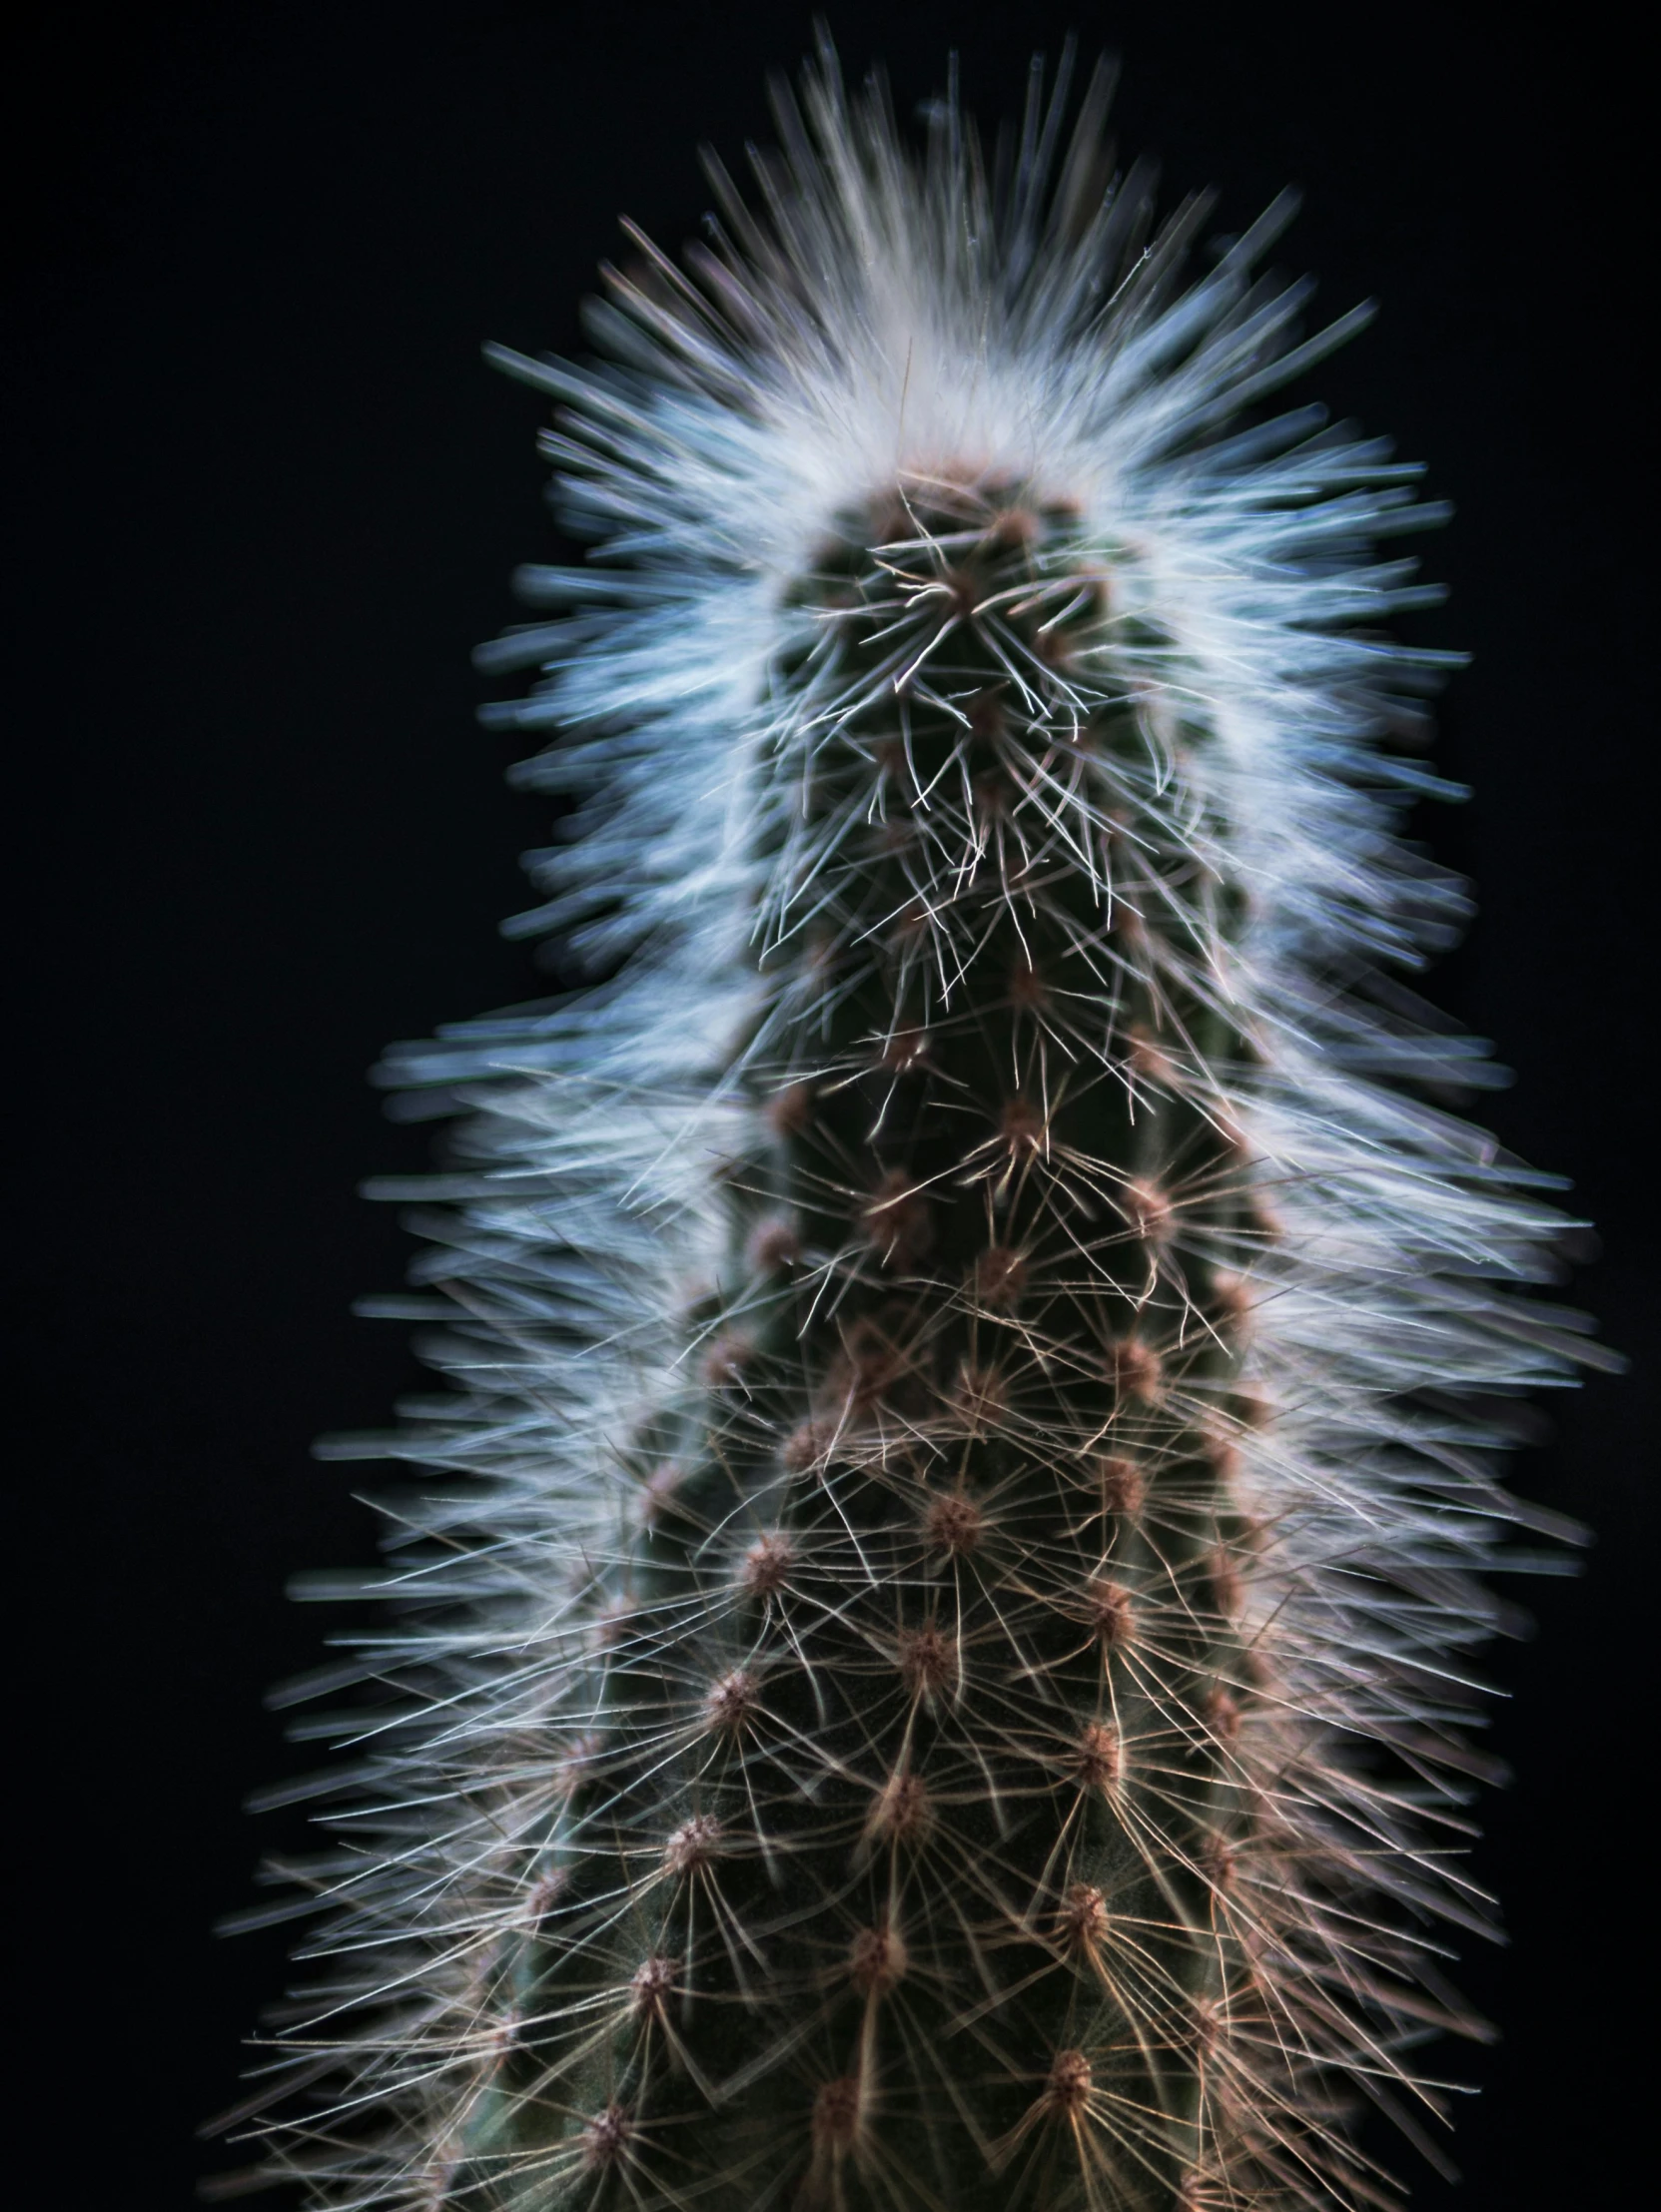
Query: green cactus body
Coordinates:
[895,1867]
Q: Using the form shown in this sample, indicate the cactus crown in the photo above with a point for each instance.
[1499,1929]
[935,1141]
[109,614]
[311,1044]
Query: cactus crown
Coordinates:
[931,1690]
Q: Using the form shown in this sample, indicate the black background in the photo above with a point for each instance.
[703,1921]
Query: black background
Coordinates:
[264,500]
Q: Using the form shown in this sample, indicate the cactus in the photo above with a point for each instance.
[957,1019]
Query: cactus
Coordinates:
[932,1672]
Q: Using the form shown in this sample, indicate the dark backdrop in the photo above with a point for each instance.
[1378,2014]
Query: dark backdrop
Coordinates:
[264,500]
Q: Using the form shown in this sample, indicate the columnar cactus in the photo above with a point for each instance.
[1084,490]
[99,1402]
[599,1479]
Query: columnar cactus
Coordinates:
[939,1659]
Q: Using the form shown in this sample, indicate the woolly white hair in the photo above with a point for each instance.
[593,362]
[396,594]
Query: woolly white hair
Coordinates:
[895,322]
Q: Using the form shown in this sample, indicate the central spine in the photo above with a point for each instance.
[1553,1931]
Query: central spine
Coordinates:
[894,1860]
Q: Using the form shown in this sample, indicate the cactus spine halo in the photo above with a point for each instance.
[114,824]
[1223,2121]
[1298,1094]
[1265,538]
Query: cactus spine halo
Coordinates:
[930,1672]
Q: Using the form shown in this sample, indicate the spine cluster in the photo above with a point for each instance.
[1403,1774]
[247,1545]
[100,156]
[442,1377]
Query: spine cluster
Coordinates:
[937,1679]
